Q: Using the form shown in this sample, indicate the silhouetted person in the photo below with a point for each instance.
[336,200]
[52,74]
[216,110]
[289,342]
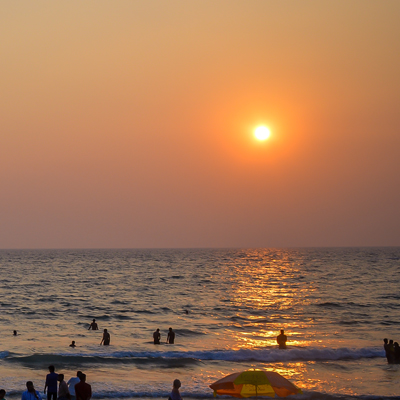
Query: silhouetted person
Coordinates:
[2,394]
[396,353]
[157,336]
[390,352]
[387,351]
[15,333]
[175,395]
[83,390]
[30,393]
[170,336]
[63,392]
[93,326]
[282,339]
[71,384]
[51,384]
[72,344]
[106,338]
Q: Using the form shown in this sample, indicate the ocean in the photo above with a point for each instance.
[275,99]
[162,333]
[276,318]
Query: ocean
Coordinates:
[226,307]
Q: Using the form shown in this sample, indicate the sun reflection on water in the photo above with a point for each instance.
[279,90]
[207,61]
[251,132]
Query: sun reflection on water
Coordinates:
[267,290]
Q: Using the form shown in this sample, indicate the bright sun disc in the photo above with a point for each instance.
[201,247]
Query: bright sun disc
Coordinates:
[262,133]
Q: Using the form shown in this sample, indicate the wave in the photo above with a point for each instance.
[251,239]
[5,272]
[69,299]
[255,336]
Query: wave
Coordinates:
[329,304]
[185,358]
[189,332]
[4,354]
[84,360]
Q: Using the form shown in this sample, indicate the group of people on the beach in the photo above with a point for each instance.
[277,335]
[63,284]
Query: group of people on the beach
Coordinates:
[57,389]
[75,389]
[392,351]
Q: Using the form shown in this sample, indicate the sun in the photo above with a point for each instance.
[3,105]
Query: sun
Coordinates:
[262,133]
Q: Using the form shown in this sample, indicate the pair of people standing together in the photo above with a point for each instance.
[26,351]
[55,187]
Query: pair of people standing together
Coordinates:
[170,336]
[106,336]
[392,351]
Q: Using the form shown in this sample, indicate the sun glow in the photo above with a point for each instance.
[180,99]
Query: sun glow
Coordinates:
[262,133]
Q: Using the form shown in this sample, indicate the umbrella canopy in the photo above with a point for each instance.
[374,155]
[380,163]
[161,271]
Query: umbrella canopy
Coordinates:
[254,383]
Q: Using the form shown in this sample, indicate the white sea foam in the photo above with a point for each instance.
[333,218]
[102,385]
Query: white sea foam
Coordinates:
[261,355]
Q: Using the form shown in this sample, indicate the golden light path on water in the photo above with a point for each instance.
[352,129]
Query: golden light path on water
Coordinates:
[270,293]
[273,286]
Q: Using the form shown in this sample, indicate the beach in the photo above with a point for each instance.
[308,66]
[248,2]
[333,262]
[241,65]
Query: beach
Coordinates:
[226,307]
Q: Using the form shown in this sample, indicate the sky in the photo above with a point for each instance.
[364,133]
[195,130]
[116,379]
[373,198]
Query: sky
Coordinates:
[129,124]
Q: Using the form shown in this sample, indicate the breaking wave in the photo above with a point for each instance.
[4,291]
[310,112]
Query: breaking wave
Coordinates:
[184,358]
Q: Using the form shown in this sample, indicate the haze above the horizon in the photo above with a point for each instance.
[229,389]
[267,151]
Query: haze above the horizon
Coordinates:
[130,124]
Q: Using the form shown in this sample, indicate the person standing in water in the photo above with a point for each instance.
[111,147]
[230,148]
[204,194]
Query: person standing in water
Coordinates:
[170,336]
[282,339]
[388,353]
[157,336]
[396,354]
[93,326]
[106,338]
[391,352]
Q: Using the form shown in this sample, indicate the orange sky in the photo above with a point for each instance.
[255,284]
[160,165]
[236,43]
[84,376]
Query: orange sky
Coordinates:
[129,123]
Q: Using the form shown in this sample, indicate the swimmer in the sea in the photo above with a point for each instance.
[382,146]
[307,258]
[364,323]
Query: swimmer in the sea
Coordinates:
[72,344]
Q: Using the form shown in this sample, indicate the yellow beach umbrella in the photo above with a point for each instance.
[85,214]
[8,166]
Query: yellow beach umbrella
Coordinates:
[254,383]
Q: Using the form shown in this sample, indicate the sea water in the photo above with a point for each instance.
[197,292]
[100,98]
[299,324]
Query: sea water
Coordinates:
[226,307]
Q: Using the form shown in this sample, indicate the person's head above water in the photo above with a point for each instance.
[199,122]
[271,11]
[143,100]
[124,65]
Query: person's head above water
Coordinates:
[15,333]
[177,384]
